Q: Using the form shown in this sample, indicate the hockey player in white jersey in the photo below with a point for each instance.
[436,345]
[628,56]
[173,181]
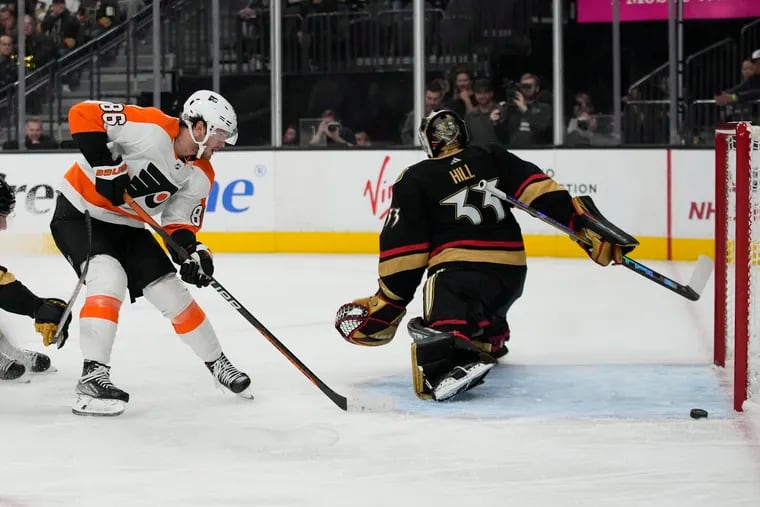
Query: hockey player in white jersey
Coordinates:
[163,163]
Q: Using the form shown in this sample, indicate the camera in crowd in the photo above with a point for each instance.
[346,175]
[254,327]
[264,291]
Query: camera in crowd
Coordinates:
[511,89]
[333,126]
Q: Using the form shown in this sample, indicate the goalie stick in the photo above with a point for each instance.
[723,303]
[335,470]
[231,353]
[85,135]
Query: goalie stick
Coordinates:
[59,339]
[336,398]
[692,291]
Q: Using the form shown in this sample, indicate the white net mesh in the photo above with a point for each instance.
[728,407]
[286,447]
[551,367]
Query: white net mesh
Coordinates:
[751,272]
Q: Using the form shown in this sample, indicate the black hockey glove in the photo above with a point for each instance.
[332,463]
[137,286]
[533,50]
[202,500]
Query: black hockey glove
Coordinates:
[199,268]
[111,181]
[46,319]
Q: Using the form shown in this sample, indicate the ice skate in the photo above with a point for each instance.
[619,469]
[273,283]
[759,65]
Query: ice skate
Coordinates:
[231,378]
[460,379]
[10,369]
[35,362]
[96,394]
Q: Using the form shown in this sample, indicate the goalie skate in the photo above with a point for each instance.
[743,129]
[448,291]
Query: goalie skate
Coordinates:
[230,378]
[96,394]
[11,369]
[35,362]
[460,379]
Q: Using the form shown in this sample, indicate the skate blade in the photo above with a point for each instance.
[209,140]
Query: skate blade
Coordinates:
[52,369]
[246,393]
[87,405]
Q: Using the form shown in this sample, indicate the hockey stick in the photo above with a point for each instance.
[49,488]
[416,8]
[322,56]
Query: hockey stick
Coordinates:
[692,291]
[59,339]
[336,398]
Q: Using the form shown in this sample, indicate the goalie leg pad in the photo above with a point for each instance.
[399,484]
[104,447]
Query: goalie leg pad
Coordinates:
[444,364]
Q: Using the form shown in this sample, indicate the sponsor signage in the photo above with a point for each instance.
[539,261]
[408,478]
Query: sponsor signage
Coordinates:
[600,11]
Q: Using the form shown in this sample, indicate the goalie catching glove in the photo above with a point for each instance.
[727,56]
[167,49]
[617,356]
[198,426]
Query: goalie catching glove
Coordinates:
[603,241]
[370,321]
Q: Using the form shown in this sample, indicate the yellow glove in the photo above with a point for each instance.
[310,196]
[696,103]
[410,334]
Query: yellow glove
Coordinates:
[369,321]
[46,319]
[603,241]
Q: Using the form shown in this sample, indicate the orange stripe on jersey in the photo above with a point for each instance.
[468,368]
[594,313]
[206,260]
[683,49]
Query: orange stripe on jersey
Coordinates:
[188,319]
[86,188]
[101,307]
[92,117]
[172,228]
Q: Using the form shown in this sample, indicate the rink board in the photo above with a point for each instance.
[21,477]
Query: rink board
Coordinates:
[575,392]
[337,201]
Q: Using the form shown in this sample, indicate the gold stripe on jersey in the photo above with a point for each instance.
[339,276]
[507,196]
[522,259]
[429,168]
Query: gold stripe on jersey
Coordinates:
[510,257]
[403,263]
[429,294]
[539,188]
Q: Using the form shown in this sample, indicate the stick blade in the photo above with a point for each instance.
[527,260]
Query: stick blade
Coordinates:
[701,275]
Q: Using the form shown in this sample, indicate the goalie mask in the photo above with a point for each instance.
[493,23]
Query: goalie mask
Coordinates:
[216,112]
[442,130]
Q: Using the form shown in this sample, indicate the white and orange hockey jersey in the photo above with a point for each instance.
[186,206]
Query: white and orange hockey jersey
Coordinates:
[144,138]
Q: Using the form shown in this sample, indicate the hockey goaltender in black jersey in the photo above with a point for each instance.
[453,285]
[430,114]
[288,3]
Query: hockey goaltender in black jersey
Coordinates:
[16,298]
[446,218]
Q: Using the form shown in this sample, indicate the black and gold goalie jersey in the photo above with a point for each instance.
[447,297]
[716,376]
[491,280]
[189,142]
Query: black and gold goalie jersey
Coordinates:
[444,214]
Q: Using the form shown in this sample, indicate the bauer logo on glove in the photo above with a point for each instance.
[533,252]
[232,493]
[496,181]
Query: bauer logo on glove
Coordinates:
[369,321]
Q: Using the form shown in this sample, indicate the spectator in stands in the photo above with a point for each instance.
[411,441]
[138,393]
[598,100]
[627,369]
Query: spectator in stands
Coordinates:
[445,86]
[483,118]
[746,91]
[433,96]
[290,136]
[362,139]
[35,138]
[586,133]
[107,16]
[38,45]
[62,26]
[64,29]
[463,99]
[8,68]
[581,109]
[8,22]
[332,131]
[529,115]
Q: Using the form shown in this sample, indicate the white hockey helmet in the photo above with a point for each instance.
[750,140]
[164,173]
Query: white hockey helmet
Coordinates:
[216,112]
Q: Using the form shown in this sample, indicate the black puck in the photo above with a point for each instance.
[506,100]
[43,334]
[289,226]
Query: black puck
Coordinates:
[698,413]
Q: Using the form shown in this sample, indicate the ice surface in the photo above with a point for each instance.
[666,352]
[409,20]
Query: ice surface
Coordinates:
[591,406]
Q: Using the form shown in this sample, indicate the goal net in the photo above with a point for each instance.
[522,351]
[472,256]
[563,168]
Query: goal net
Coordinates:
[737,256]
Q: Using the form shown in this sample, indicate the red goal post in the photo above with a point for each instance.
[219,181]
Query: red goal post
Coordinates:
[737,255]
